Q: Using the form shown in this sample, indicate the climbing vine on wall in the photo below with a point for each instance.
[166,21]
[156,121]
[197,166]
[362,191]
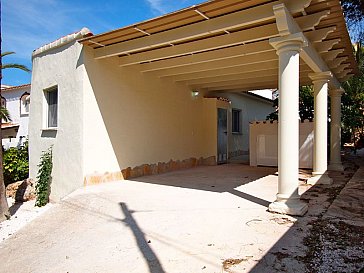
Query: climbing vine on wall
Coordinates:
[44,177]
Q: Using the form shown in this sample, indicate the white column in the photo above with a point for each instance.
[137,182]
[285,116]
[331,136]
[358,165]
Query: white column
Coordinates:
[288,200]
[335,130]
[320,85]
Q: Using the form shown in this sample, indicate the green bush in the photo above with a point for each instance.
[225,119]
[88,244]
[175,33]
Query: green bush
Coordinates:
[16,164]
[42,186]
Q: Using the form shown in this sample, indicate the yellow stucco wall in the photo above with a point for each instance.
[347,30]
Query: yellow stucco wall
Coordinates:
[132,118]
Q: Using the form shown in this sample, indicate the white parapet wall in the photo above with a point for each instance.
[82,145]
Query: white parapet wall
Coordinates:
[264,144]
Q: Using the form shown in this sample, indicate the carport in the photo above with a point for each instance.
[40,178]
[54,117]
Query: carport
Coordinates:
[237,46]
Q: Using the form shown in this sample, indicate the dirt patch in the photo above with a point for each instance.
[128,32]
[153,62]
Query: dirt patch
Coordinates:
[283,220]
[334,247]
[232,262]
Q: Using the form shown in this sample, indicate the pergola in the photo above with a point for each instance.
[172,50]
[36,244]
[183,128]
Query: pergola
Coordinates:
[242,45]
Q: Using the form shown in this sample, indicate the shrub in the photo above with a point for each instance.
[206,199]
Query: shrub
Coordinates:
[42,186]
[16,163]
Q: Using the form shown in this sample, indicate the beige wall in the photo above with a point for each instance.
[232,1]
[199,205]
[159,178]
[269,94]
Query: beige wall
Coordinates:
[111,118]
[264,144]
[132,119]
[63,67]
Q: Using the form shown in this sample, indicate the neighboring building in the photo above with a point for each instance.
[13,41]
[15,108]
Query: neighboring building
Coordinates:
[244,108]
[166,93]
[17,100]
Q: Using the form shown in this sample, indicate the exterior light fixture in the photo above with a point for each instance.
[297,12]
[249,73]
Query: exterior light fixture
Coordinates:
[194,93]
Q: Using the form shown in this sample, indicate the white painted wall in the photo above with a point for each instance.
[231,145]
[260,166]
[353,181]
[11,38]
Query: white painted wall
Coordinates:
[63,67]
[264,144]
[253,109]
[13,103]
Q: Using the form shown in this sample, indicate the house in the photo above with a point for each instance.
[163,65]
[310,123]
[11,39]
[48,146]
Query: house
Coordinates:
[16,99]
[159,95]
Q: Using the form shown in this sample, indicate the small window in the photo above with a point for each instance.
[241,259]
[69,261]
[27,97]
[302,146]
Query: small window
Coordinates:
[236,121]
[51,96]
[24,104]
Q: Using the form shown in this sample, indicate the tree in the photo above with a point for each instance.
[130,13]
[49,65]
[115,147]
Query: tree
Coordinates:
[353,102]
[4,114]
[11,65]
[305,105]
[354,16]
[4,208]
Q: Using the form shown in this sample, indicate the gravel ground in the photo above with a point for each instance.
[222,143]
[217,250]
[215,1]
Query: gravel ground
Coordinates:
[22,214]
[336,241]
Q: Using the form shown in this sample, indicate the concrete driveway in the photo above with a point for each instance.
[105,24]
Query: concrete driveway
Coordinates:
[205,219]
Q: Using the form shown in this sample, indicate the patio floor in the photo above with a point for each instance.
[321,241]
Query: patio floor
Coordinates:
[206,219]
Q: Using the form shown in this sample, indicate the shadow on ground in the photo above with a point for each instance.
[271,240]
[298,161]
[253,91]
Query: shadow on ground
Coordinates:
[311,244]
[14,208]
[223,178]
[152,260]
[319,242]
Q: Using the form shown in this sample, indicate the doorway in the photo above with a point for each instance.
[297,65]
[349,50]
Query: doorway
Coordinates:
[222,136]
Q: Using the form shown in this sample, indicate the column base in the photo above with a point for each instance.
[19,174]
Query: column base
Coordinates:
[319,178]
[336,167]
[291,207]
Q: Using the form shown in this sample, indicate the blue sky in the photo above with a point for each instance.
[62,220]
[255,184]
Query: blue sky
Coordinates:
[29,24]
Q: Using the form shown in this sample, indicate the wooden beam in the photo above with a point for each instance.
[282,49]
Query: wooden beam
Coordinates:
[252,80]
[337,61]
[240,76]
[287,25]
[216,42]
[319,35]
[331,55]
[238,61]
[344,73]
[226,71]
[325,46]
[247,87]
[242,18]
[221,41]
[340,68]
[254,86]
[273,78]
[221,72]
[221,54]
[233,77]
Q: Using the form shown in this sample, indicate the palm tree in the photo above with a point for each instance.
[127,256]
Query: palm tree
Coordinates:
[4,208]
[4,114]
[11,65]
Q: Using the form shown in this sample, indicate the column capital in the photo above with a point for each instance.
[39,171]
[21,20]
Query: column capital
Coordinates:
[293,42]
[320,76]
[337,92]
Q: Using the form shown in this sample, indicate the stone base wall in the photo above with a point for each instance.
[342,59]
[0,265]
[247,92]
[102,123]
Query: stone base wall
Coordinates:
[150,169]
